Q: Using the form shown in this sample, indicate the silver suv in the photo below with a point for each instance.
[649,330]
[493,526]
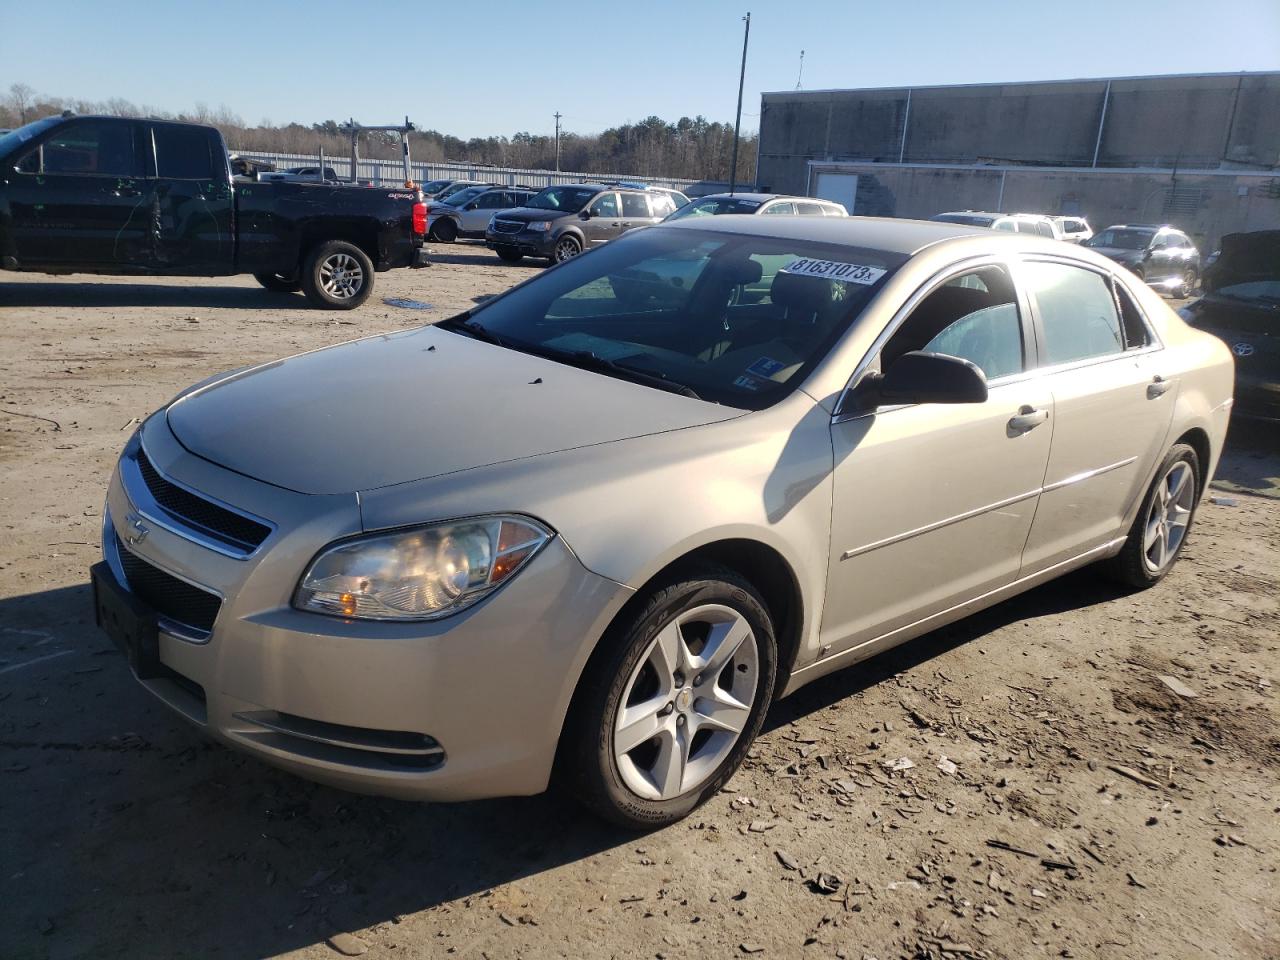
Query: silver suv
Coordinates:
[468,212]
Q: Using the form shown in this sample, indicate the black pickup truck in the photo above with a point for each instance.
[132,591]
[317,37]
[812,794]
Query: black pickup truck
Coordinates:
[154,197]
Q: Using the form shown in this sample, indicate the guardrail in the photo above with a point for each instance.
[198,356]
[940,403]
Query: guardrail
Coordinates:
[392,171]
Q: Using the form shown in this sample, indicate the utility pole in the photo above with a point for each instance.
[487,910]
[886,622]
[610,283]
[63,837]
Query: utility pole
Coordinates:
[737,123]
[800,76]
[558,116]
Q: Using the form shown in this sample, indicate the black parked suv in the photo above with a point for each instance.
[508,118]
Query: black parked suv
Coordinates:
[562,221]
[1161,255]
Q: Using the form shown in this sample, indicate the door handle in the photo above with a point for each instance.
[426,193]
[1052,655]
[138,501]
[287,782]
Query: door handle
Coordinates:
[1028,418]
[1158,387]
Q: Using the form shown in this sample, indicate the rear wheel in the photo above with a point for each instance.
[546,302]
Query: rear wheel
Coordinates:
[668,709]
[509,254]
[1160,529]
[566,248]
[444,230]
[338,276]
[279,282]
[1188,285]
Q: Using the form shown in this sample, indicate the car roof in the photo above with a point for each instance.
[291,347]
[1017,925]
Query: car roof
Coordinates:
[891,235]
[740,195]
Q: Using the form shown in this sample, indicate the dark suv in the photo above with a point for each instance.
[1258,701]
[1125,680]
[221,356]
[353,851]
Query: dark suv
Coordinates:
[1162,255]
[562,221]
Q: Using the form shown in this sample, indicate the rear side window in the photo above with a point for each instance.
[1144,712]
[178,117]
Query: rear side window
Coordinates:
[1006,225]
[1077,312]
[809,209]
[635,205]
[1136,334]
[786,209]
[662,204]
[90,147]
[1044,229]
[183,153]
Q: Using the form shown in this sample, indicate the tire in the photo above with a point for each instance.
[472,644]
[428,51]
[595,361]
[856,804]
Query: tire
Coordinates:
[337,276]
[509,254]
[567,247]
[1188,285]
[1134,565]
[631,671]
[445,231]
[278,282]
[1140,273]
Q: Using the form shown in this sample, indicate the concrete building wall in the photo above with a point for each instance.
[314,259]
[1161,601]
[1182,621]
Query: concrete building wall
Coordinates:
[1185,122]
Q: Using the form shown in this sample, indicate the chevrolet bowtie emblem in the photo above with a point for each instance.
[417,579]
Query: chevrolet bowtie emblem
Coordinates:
[137,530]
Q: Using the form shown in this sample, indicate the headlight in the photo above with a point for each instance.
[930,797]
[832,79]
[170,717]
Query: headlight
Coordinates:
[420,574]
[541,226]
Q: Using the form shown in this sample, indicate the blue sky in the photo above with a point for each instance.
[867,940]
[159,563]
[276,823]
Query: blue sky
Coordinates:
[508,66]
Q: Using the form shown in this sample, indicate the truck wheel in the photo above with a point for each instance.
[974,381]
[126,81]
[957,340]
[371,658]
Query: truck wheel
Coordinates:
[338,276]
[446,231]
[278,282]
[510,254]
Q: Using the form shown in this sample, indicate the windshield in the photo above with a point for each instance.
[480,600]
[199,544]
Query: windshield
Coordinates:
[965,219]
[16,138]
[738,320]
[431,186]
[714,206]
[1121,239]
[568,199]
[450,190]
[464,196]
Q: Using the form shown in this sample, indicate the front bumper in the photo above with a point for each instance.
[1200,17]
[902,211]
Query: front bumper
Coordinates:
[1256,398]
[465,707]
[531,243]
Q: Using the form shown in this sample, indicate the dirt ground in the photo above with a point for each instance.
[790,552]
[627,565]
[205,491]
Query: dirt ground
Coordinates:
[1022,784]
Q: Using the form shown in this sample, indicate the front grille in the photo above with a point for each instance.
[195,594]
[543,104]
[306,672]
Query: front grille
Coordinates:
[203,515]
[507,226]
[168,596]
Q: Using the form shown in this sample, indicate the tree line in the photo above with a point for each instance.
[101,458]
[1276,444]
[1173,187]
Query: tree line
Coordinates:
[691,148]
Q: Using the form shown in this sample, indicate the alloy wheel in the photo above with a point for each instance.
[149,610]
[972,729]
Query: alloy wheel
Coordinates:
[565,250]
[687,702]
[1168,516]
[341,276]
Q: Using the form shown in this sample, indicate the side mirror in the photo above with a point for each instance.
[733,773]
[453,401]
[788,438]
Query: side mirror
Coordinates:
[585,215]
[920,377]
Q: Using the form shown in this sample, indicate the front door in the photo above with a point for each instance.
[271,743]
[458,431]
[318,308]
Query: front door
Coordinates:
[606,220]
[79,198]
[1113,402]
[932,502]
[195,230]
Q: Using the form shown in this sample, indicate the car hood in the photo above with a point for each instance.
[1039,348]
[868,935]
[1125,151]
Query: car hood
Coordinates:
[413,405]
[529,214]
[1118,253]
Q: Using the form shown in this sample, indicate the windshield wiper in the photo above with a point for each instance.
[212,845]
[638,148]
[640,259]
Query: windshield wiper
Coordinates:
[588,360]
[462,323]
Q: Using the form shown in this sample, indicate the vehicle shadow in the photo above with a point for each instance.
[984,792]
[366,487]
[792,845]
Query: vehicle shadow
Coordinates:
[174,293]
[181,847]
[484,259]
[1251,460]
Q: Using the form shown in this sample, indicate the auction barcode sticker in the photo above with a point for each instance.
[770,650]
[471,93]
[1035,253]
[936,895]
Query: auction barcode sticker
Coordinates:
[831,270]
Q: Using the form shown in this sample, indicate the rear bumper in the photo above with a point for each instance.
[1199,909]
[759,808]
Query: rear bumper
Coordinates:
[421,258]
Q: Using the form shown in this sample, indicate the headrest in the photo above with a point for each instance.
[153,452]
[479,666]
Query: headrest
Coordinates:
[806,294]
[737,272]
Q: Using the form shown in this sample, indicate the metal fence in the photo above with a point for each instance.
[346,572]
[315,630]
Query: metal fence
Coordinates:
[392,171]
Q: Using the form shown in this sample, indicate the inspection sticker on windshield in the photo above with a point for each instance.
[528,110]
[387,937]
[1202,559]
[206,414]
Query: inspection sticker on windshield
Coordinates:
[831,270]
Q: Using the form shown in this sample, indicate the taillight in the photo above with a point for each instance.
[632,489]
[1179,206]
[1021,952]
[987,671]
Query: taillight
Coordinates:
[420,218]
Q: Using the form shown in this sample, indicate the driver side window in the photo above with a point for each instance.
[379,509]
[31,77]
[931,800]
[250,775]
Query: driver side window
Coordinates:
[606,205]
[973,316]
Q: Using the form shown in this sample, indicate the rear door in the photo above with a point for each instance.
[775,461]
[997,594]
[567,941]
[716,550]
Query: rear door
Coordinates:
[195,224]
[1113,401]
[79,197]
[636,211]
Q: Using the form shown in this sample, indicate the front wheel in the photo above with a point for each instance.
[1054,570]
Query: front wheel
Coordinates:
[668,709]
[1160,529]
[566,248]
[279,282]
[1140,273]
[337,276]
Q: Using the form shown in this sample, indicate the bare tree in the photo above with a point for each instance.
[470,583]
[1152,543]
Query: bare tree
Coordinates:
[22,98]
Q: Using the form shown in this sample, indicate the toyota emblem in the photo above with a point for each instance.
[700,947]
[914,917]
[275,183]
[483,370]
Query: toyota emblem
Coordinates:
[1242,349]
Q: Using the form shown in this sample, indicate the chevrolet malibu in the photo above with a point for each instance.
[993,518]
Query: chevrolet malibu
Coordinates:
[590,530]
